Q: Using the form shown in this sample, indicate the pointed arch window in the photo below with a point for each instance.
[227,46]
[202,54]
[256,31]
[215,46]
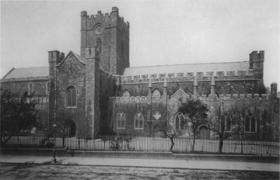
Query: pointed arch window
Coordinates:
[71,97]
[126,94]
[30,89]
[138,121]
[250,124]
[121,120]
[156,94]
[98,46]
[180,122]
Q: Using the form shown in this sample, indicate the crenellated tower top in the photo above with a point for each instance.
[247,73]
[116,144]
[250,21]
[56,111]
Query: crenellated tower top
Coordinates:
[105,20]
[256,60]
[111,32]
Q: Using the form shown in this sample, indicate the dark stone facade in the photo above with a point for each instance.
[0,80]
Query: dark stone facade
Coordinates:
[263,107]
[105,94]
[37,88]
[113,32]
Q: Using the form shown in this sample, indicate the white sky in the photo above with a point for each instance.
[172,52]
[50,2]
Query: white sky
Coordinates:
[161,31]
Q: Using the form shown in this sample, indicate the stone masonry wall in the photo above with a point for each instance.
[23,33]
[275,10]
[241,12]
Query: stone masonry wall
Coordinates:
[72,73]
[267,118]
[222,87]
[113,33]
[39,93]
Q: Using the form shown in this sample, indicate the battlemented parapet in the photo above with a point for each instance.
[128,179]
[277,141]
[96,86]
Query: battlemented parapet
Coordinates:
[105,20]
[256,63]
[226,97]
[223,85]
[188,76]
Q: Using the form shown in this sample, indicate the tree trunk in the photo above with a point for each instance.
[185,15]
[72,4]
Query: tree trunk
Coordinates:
[193,144]
[241,143]
[221,142]
[63,136]
[172,143]
[63,140]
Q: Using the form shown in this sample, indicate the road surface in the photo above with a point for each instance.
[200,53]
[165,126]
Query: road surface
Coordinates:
[61,172]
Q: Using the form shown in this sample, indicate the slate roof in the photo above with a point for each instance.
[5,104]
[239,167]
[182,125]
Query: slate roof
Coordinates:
[28,72]
[33,72]
[36,72]
[183,68]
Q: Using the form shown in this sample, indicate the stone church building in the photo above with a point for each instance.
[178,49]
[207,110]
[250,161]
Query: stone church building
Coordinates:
[98,92]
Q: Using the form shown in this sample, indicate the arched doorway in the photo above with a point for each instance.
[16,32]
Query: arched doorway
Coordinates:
[70,128]
[204,133]
[180,122]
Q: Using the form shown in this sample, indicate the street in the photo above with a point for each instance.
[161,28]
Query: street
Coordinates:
[50,171]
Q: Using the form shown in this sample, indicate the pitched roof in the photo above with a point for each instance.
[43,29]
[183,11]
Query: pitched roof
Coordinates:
[36,72]
[27,72]
[183,68]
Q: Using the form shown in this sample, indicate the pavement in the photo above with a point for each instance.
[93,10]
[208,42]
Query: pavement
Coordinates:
[146,162]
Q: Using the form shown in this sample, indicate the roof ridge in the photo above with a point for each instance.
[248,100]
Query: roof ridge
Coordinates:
[9,72]
[31,67]
[186,64]
[21,72]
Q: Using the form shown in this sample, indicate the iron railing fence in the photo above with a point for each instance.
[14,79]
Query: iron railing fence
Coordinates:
[152,144]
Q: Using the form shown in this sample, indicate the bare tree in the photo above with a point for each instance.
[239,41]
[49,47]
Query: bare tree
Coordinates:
[220,120]
[239,116]
[168,131]
[226,122]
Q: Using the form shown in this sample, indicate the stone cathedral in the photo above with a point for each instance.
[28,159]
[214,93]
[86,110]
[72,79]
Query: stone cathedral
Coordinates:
[98,92]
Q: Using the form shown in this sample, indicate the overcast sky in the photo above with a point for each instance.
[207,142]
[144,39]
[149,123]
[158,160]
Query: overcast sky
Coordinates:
[161,31]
